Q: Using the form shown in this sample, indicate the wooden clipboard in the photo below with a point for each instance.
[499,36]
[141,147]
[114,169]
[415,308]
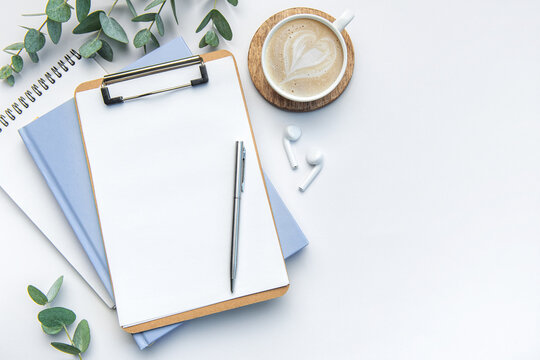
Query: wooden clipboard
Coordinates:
[220,306]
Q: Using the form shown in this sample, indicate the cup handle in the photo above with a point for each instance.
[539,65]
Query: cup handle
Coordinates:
[343,20]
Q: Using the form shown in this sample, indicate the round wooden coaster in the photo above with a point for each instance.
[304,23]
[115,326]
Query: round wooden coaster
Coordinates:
[257,75]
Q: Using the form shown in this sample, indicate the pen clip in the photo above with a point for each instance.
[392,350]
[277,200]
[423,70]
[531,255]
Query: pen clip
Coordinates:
[243,167]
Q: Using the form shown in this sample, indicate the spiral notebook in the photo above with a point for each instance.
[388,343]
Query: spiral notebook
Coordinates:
[164,195]
[39,89]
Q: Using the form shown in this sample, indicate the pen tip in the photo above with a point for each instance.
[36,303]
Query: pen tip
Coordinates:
[232,286]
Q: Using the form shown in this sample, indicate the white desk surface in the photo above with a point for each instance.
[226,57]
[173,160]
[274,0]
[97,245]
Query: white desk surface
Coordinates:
[424,225]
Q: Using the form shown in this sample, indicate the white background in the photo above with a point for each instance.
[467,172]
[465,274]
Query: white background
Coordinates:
[424,225]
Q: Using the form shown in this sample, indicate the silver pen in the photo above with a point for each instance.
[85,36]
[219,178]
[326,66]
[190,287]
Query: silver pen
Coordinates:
[239,175]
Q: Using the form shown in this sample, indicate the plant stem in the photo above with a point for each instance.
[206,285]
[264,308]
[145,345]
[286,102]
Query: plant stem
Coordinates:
[71,341]
[112,7]
[159,11]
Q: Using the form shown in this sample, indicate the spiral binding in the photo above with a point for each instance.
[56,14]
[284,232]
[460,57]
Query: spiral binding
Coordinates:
[38,88]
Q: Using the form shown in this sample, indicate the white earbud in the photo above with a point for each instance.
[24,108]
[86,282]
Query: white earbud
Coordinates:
[292,133]
[314,158]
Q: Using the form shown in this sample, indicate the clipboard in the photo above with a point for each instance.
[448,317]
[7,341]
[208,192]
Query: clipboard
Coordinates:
[197,84]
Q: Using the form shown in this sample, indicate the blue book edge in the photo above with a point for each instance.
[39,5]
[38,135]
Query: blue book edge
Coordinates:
[64,117]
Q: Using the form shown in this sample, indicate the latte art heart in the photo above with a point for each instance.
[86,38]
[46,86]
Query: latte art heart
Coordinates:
[307,56]
[304,57]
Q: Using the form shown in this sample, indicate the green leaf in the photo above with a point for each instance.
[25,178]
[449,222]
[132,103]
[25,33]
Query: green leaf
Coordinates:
[205,21]
[16,46]
[83,8]
[173,6]
[202,43]
[89,48]
[148,17]
[58,10]
[54,29]
[159,25]
[222,25]
[51,330]
[34,41]
[34,57]
[90,24]
[10,80]
[53,291]
[141,38]
[154,39]
[233,2]
[36,294]
[112,28]
[17,63]
[154,4]
[211,38]
[131,8]
[69,349]
[106,51]
[56,316]
[81,338]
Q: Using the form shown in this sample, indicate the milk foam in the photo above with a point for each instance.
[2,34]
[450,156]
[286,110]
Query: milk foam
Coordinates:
[304,57]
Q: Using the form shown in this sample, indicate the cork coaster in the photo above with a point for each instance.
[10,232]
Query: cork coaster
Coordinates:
[257,75]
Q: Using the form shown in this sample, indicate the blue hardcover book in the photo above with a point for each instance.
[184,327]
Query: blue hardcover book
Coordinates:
[54,141]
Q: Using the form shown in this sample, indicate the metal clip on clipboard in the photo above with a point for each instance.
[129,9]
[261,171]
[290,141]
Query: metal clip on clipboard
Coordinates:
[149,70]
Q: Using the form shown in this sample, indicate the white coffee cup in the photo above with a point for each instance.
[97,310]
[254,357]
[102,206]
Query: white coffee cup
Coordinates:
[336,27]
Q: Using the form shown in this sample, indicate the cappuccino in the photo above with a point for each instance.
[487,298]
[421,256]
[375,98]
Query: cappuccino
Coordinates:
[304,57]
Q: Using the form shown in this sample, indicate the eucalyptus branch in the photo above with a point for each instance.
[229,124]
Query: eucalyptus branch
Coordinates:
[219,23]
[55,319]
[105,29]
[144,36]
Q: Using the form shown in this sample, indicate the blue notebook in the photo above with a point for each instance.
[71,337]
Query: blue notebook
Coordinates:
[54,141]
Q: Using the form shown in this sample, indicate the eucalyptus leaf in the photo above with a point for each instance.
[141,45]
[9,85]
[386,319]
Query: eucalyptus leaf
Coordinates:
[202,43]
[154,39]
[17,46]
[51,330]
[233,2]
[112,28]
[56,316]
[81,338]
[36,294]
[222,25]
[34,57]
[211,38]
[106,51]
[89,48]
[34,41]
[82,9]
[148,17]
[205,21]
[54,29]
[141,38]
[131,8]
[154,4]
[17,63]
[69,349]
[90,24]
[159,25]
[173,7]
[58,10]
[10,80]
[55,288]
